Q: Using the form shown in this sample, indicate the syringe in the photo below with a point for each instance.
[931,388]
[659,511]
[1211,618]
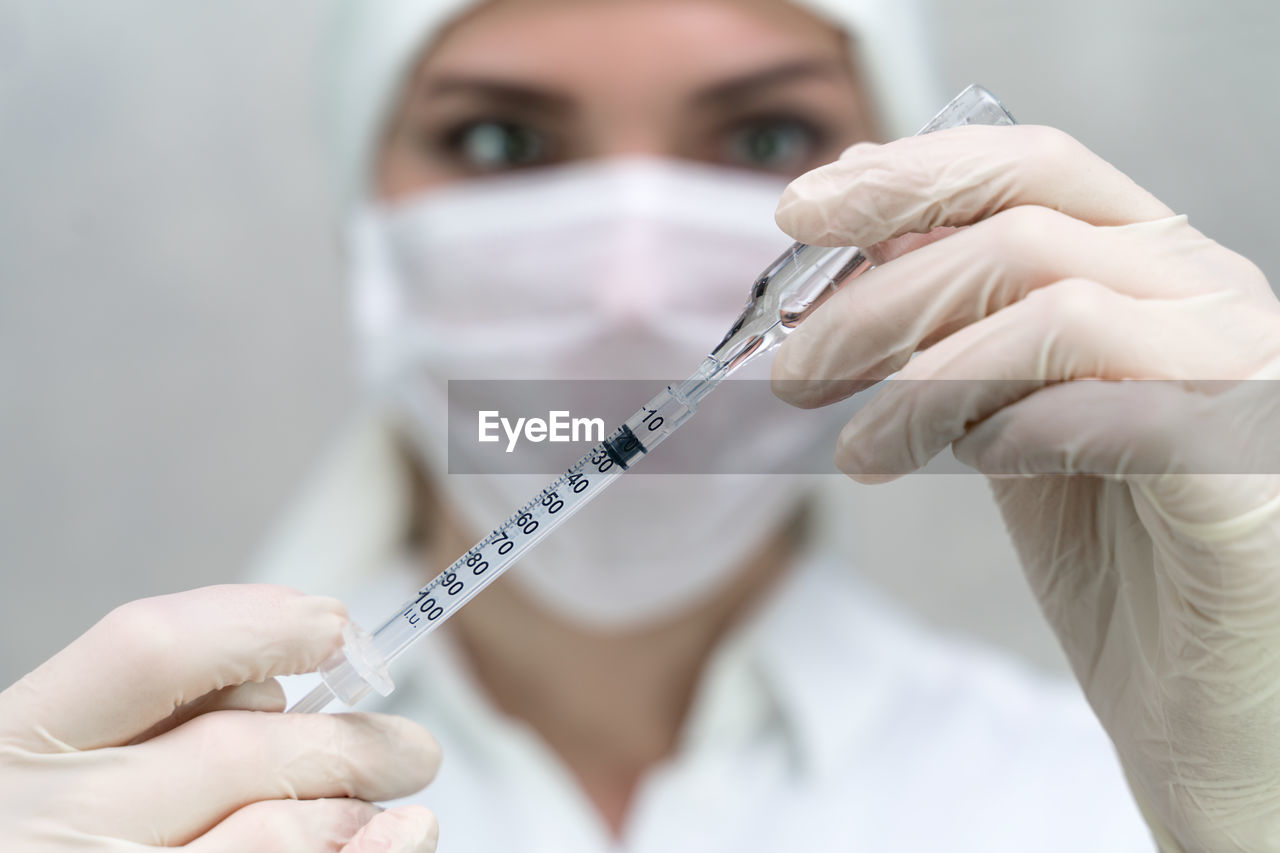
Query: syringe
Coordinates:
[781,298]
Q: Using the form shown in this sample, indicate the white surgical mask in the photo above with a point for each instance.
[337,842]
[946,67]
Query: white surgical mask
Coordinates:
[625,269]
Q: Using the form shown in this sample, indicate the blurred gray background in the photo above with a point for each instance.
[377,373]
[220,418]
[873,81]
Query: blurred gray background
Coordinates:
[173,350]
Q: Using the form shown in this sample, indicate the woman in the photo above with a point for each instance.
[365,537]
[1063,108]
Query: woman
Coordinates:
[754,696]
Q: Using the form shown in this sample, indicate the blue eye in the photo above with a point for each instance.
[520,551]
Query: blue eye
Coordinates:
[493,146]
[774,145]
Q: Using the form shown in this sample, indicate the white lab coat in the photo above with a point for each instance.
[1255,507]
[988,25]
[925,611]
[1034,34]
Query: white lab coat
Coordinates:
[829,722]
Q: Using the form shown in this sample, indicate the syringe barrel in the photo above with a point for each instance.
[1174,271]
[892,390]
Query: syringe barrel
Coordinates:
[361,665]
[358,667]
[782,297]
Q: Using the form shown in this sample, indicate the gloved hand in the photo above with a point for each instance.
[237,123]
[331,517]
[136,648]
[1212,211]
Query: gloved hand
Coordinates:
[1157,558]
[160,727]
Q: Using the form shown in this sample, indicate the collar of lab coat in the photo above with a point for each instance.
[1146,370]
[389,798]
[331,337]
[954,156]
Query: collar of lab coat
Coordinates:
[822,662]
[832,657]
[815,657]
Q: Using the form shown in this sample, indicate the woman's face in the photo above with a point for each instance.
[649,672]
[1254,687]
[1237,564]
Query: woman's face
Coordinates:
[519,84]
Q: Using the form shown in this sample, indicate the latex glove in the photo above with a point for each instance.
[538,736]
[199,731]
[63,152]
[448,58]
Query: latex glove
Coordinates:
[160,727]
[1158,561]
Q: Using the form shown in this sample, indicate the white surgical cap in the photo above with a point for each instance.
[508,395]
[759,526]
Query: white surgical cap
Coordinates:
[376,43]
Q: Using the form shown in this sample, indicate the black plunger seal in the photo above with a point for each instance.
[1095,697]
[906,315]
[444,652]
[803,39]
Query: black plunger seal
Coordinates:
[623,447]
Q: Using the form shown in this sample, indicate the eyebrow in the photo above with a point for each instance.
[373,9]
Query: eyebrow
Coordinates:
[726,92]
[749,85]
[499,90]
